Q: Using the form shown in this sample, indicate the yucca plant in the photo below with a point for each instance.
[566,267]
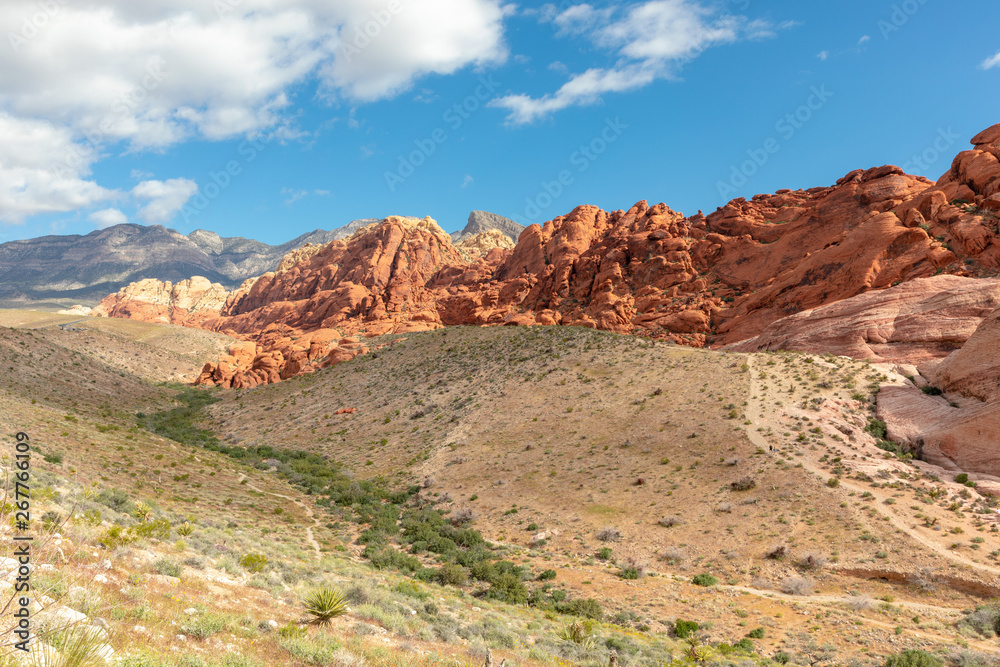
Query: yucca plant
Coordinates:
[142,511]
[79,646]
[578,632]
[184,529]
[325,604]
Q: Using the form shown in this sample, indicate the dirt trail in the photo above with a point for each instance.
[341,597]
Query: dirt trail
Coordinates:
[310,537]
[755,414]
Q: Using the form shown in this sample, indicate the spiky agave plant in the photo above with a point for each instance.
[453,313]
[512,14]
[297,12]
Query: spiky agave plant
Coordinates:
[325,604]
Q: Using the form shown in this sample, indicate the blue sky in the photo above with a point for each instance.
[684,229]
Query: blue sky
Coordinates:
[268,118]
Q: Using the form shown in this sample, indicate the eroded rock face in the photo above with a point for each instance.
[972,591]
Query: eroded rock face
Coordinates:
[974,370]
[919,320]
[187,302]
[699,280]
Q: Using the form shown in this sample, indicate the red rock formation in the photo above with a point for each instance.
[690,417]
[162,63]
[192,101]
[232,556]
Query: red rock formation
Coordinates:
[919,320]
[720,278]
[188,302]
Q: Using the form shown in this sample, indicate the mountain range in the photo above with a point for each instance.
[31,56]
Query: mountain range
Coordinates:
[86,268]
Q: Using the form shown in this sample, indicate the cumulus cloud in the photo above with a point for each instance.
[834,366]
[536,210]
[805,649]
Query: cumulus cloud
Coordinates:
[43,170]
[991,62]
[163,198]
[650,41]
[107,217]
[152,74]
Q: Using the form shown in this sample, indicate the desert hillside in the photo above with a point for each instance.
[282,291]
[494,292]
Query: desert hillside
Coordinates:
[630,485]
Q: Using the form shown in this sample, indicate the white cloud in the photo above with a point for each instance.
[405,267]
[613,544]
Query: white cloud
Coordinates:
[424,37]
[991,62]
[42,170]
[864,39]
[152,74]
[651,41]
[467,181]
[823,55]
[165,198]
[292,195]
[107,218]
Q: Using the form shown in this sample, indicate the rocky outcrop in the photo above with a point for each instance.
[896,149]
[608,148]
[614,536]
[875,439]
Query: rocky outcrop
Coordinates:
[952,432]
[482,221]
[974,370]
[480,245]
[919,320]
[187,302]
[699,280]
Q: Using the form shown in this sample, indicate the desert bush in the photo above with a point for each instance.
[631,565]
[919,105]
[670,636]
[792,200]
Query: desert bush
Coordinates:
[683,629]
[168,567]
[508,587]
[777,552]
[797,586]
[253,562]
[587,608]
[204,626]
[184,529]
[462,517]
[116,499]
[609,534]
[859,602]
[913,658]
[812,561]
[743,484]
[324,604]
[632,568]
[674,555]
[452,574]
[983,620]
[604,553]
[669,521]
[704,579]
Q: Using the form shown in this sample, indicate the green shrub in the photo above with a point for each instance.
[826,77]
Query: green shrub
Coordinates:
[704,579]
[546,575]
[913,658]
[962,478]
[931,391]
[324,605]
[204,626]
[168,567]
[684,629]
[253,562]
[604,553]
[452,574]
[587,608]
[116,536]
[509,588]
[756,633]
